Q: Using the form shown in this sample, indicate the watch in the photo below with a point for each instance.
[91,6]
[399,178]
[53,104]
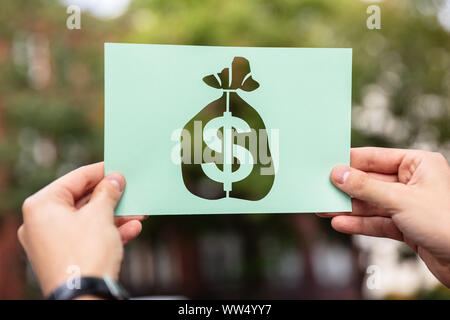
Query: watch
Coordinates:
[105,288]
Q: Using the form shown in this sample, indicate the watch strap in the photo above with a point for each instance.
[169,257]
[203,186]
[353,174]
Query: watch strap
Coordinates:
[105,288]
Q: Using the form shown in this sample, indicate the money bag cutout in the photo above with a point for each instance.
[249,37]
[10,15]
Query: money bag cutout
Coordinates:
[225,147]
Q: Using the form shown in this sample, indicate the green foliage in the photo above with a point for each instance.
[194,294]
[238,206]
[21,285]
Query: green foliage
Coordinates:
[50,129]
[437,293]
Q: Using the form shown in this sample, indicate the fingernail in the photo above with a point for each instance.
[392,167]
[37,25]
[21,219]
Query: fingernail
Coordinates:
[340,174]
[117,181]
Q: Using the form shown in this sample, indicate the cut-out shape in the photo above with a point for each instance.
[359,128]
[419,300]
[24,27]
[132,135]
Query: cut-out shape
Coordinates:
[228,138]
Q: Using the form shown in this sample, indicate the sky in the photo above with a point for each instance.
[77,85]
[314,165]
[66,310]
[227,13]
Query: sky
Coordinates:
[107,9]
[444,15]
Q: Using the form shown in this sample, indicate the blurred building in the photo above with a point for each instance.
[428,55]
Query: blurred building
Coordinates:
[227,264]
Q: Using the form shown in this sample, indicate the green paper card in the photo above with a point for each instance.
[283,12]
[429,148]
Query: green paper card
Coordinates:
[210,130]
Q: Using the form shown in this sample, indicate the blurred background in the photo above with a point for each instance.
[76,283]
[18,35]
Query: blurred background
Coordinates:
[51,121]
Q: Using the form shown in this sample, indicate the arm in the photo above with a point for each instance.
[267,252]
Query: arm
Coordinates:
[71,223]
[402,195]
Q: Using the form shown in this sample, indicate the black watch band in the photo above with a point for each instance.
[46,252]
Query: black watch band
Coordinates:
[105,288]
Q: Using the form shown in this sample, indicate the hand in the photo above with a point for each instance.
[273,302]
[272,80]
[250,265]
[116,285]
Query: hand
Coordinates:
[71,223]
[402,195]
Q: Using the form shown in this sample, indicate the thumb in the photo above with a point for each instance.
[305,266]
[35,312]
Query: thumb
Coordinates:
[107,193]
[360,185]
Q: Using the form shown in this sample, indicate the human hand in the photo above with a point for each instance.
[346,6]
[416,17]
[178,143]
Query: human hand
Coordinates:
[402,195]
[71,223]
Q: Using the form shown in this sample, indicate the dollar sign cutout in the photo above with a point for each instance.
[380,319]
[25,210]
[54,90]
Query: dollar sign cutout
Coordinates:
[224,148]
[228,148]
